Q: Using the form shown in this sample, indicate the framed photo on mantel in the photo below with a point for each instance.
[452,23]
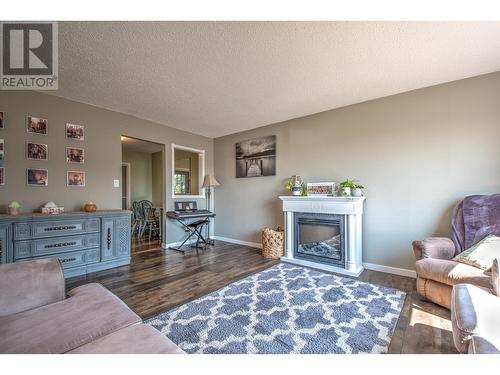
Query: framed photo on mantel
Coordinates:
[321,189]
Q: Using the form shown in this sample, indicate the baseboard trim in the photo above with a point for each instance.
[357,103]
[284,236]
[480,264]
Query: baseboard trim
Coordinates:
[238,242]
[368,266]
[392,270]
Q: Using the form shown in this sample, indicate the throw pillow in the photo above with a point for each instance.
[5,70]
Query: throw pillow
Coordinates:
[481,254]
[495,278]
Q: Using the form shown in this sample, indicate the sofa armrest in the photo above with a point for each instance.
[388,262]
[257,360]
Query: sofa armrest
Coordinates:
[474,312]
[27,285]
[434,247]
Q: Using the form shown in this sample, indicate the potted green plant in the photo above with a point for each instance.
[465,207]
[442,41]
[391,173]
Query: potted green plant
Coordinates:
[13,208]
[295,185]
[349,188]
[346,187]
[358,191]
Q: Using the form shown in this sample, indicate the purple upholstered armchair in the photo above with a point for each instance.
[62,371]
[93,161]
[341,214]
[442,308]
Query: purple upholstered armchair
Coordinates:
[473,219]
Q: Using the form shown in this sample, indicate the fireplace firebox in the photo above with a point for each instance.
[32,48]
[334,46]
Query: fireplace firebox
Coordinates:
[319,238]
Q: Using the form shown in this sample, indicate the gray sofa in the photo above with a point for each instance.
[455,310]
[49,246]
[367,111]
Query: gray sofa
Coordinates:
[36,316]
[474,318]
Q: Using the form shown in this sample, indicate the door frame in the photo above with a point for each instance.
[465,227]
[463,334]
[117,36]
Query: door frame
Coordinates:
[129,198]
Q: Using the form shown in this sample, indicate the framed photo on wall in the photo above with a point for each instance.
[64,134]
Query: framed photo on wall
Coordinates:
[37,177]
[75,155]
[2,119]
[76,179]
[256,157]
[75,132]
[37,151]
[2,176]
[37,125]
[2,151]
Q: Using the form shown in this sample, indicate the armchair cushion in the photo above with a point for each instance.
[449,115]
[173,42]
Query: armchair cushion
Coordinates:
[482,254]
[434,247]
[450,273]
[28,285]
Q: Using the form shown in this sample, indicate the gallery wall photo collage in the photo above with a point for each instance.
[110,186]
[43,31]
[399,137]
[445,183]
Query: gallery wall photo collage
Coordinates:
[37,152]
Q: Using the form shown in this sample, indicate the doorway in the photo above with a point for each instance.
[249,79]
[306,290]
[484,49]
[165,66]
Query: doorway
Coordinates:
[143,188]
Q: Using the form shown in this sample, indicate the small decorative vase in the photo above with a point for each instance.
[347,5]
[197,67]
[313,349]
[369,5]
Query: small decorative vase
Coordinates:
[357,192]
[345,192]
[90,207]
[13,211]
[297,191]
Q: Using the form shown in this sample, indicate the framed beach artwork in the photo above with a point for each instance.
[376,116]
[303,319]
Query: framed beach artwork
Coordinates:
[75,132]
[37,125]
[256,157]
[37,177]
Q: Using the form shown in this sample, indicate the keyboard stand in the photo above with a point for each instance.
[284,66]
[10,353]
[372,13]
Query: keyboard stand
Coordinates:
[194,229]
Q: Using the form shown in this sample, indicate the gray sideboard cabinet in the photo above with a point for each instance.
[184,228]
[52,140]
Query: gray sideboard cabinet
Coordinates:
[84,242]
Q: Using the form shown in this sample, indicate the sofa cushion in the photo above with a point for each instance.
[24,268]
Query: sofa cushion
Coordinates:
[89,313]
[451,273]
[474,312]
[135,339]
[481,255]
[481,345]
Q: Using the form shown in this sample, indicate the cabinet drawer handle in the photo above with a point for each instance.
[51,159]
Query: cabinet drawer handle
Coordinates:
[63,227]
[62,244]
[109,239]
[67,260]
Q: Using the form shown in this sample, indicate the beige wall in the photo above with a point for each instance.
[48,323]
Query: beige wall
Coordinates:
[157,171]
[418,153]
[141,174]
[102,152]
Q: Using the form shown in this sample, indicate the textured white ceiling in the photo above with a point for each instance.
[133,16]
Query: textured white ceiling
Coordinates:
[217,78]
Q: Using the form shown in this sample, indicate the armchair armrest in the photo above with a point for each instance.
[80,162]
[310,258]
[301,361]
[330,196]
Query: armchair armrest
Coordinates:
[434,247]
[27,285]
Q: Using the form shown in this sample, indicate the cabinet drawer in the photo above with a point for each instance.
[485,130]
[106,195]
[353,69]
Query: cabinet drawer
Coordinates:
[57,245]
[75,258]
[52,228]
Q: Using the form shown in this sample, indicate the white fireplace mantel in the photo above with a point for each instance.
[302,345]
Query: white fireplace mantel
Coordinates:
[350,207]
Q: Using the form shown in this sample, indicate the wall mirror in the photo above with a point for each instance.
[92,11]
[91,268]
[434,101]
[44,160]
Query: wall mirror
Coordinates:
[188,169]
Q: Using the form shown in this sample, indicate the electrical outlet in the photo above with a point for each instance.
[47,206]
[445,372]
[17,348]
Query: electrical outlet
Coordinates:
[116,183]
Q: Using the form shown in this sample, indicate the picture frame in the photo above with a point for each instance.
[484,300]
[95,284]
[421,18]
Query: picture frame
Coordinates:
[75,132]
[75,179]
[75,155]
[37,125]
[256,157]
[37,151]
[2,151]
[2,120]
[321,189]
[2,176]
[37,177]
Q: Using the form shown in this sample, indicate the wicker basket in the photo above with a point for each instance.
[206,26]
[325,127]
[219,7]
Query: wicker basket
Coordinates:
[272,243]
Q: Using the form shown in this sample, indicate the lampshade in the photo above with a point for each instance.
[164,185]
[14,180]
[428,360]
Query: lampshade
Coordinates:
[210,181]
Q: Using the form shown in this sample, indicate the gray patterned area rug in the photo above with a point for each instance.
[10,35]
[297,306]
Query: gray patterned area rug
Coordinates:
[287,309]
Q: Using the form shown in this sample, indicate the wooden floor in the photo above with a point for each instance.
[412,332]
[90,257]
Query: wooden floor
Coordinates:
[158,280]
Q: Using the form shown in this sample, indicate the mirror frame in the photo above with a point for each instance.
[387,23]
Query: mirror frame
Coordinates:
[201,191]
